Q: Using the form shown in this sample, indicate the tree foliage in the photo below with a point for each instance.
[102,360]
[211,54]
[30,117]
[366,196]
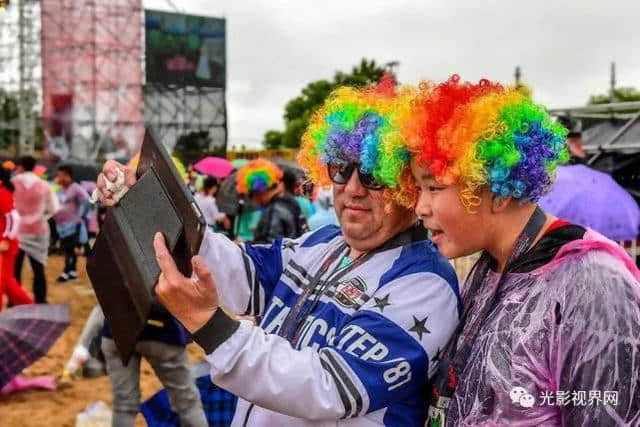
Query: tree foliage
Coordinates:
[8,120]
[621,94]
[298,111]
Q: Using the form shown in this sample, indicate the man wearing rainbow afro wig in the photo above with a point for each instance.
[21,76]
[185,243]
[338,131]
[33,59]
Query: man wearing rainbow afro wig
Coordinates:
[281,217]
[351,318]
[550,330]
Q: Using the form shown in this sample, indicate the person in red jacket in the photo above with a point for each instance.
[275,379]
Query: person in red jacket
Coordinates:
[9,221]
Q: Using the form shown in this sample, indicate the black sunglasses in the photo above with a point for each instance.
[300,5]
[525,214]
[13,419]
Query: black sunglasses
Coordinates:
[341,173]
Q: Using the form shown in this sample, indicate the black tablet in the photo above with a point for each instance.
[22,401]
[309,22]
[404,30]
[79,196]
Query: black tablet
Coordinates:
[122,264]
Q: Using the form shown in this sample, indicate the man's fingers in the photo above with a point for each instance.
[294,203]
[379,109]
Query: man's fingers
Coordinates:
[109,169]
[165,260]
[161,287]
[129,176]
[201,270]
[105,195]
[101,182]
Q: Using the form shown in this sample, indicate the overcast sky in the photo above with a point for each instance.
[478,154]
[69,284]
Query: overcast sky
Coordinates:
[274,48]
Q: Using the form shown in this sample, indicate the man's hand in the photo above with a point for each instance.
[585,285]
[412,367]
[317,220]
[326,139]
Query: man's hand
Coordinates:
[4,245]
[192,301]
[109,172]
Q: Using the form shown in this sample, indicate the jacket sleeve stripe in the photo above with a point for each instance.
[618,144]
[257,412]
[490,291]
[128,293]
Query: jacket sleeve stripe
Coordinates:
[252,279]
[353,390]
[341,390]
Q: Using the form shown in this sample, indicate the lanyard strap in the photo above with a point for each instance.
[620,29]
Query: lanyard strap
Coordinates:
[302,298]
[294,321]
[324,287]
[292,325]
[523,243]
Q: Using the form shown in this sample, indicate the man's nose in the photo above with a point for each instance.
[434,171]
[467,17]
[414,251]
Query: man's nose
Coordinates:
[354,186]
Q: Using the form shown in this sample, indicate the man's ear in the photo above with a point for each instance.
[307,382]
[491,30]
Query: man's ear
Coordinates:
[499,204]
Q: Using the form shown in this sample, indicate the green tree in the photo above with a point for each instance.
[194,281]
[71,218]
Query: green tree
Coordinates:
[298,111]
[273,139]
[621,94]
[8,120]
[193,146]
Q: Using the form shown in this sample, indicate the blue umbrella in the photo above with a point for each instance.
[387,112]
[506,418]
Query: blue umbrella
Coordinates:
[594,199]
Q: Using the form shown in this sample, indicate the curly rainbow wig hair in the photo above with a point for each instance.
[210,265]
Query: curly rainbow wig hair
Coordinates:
[485,135]
[258,176]
[362,126]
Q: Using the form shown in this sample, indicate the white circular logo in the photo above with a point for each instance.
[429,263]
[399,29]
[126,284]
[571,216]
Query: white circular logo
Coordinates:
[517,393]
[527,401]
[520,396]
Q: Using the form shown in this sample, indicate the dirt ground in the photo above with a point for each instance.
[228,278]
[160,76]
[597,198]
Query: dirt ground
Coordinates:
[60,407]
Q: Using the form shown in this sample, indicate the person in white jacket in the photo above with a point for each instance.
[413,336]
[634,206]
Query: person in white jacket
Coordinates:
[36,202]
[351,319]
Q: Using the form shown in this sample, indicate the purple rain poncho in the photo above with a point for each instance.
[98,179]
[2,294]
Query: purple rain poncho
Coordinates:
[570,326]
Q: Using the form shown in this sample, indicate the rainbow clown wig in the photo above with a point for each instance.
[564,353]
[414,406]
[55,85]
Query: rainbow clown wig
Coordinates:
[258,176]
[485,135]
[362,126]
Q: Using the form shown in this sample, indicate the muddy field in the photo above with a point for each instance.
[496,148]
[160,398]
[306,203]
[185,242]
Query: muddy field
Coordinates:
[59,407]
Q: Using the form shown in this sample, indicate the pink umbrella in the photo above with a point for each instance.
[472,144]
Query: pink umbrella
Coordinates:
[214,166]
[40,170]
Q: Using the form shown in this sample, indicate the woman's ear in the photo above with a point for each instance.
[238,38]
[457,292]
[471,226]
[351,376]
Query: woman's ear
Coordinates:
[499,204]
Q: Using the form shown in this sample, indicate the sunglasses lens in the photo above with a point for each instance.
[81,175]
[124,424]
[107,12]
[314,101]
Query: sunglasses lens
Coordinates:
[340,174]
[368,181]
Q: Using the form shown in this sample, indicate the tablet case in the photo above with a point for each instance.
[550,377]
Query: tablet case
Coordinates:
[122,266]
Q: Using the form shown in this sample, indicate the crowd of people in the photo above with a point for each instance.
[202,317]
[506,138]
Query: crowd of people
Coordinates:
[342,308]
[365,324]
[39,216]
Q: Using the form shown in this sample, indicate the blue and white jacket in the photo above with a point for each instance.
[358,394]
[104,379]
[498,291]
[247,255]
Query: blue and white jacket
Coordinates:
[365,350]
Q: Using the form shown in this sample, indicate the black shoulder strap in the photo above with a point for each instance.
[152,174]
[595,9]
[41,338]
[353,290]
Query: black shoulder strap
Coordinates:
[480,270]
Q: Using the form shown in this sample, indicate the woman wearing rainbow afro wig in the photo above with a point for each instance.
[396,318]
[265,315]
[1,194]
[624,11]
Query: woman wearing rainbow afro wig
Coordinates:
[261,180]
[550,328]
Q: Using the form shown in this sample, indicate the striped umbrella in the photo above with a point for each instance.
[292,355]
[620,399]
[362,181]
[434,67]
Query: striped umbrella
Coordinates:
[27,332]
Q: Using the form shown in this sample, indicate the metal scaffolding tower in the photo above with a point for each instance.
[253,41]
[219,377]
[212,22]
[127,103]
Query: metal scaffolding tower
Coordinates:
[76,68]
[92,78]
[20,67]
[189,115]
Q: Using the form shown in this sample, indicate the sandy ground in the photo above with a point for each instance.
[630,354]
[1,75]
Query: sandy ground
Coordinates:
[59,407]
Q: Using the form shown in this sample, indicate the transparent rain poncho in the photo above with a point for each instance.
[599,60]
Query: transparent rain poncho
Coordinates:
[561,346]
